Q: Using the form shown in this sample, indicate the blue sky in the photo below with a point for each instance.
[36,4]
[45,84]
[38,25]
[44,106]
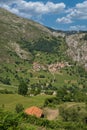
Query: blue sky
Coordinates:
[57,14]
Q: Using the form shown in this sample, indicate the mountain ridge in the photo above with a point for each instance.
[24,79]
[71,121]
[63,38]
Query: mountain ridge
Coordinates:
[16,29]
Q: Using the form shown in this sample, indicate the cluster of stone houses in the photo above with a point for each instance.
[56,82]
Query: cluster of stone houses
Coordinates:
[52,67]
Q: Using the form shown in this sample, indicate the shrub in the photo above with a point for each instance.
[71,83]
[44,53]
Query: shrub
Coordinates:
[19,108]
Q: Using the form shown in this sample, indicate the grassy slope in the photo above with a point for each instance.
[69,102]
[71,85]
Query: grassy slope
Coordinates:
[28,35]
[10,101]
[61,78]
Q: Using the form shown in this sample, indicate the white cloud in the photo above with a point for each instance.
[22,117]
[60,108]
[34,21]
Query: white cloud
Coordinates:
[31,9]
[78,27]
[75,13]
[64,20]
[14,10]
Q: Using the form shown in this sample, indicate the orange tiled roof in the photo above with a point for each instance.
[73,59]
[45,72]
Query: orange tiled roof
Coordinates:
[34,111]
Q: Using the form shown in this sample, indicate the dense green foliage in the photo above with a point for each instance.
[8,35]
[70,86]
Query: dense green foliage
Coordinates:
[14,122]
[75,114]
[45,44]
[67,94]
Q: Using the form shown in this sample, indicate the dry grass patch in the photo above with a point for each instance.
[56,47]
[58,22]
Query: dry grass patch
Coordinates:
[51,114]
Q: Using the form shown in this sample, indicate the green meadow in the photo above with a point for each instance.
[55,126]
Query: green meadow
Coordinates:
[9,101]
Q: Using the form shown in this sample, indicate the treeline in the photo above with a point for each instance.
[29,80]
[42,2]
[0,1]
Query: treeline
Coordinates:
[67,94]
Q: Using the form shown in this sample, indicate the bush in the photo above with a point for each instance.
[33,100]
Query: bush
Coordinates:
[5,91]
[8,121]
[41,76]
[19,108]
[74,114]
[51,101]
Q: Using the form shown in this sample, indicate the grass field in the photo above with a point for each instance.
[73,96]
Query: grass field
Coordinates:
[10,100]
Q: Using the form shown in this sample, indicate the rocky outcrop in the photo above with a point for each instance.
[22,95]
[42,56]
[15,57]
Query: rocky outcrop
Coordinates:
[77,48]
[19,51]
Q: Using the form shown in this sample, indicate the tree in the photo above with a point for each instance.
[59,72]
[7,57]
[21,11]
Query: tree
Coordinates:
[23,88]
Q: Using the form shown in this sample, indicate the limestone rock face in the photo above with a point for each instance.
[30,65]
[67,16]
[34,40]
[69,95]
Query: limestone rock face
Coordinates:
[77,48]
